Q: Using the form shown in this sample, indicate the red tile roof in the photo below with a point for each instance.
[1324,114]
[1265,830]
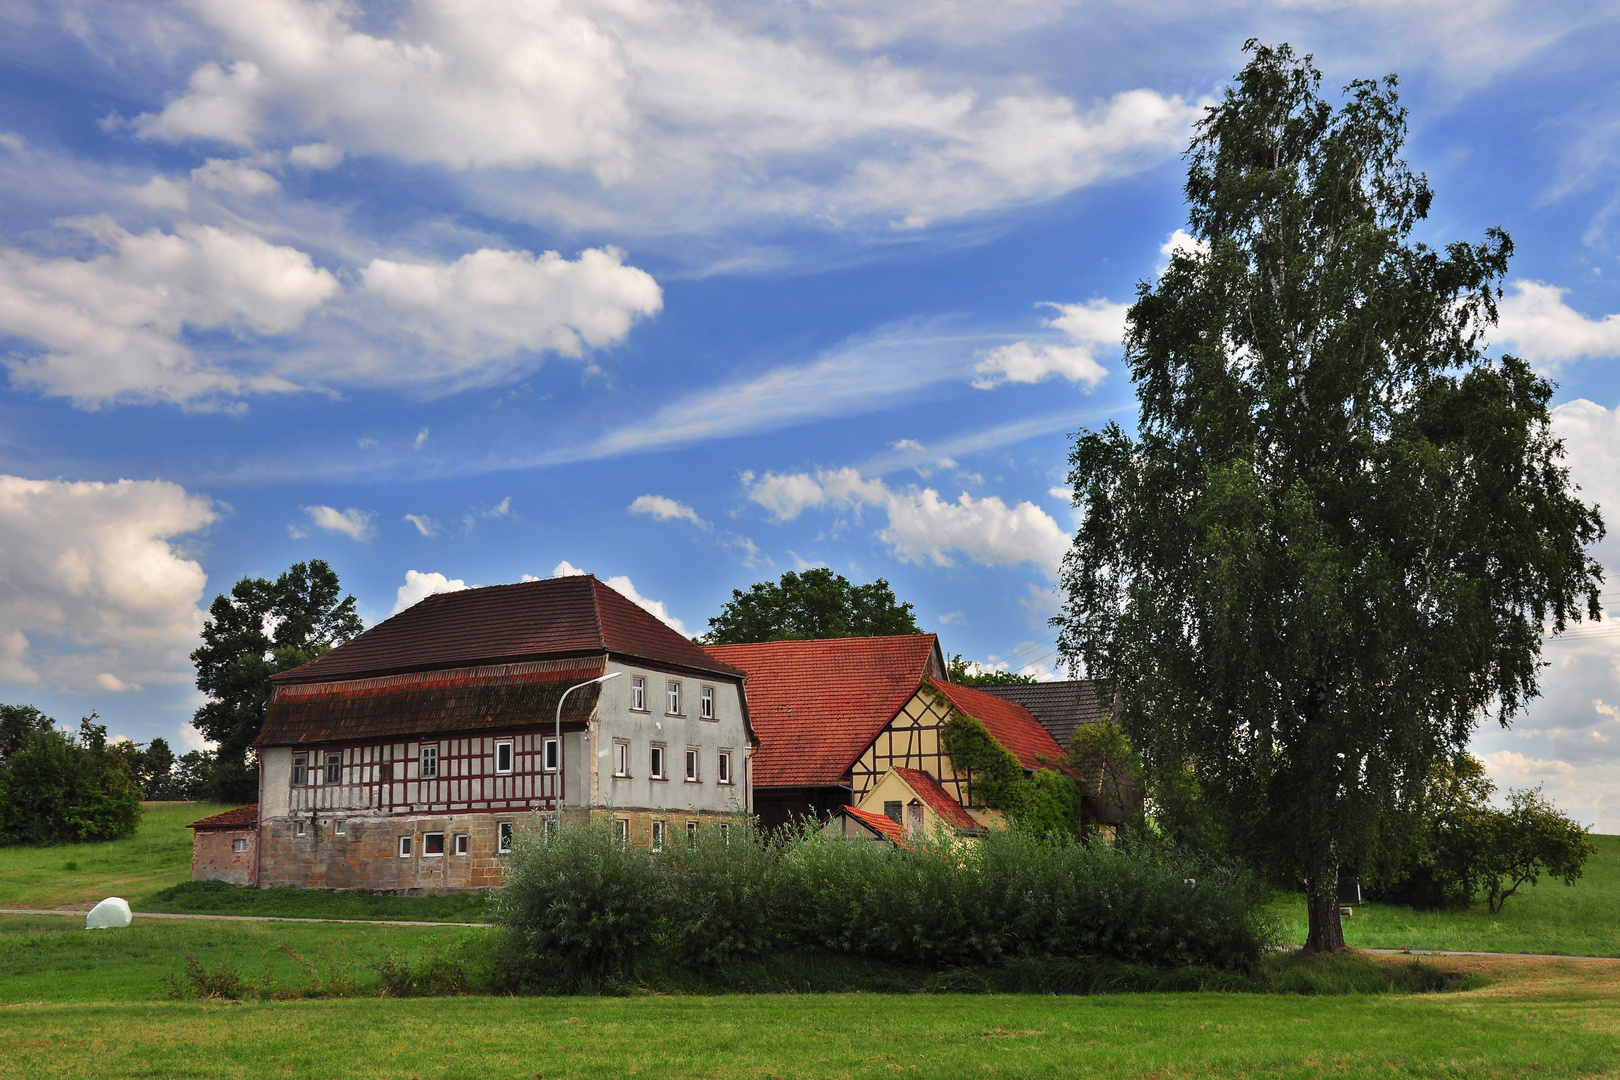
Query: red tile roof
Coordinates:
[938,799]
[817,705]
[1012,725]
[243,817]
[534,620]
[881,824]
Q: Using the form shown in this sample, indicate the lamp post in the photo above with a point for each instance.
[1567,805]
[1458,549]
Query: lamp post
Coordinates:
[556,794]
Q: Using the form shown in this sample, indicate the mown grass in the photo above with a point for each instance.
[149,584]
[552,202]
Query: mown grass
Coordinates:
[218,898]
[1574,920]
[1551,1019]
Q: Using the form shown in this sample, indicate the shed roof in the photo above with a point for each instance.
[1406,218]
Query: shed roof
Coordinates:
[1012,725]
[243,817]
[1061,707]
[552,619]
[881,824]
[816,705]
[938,799]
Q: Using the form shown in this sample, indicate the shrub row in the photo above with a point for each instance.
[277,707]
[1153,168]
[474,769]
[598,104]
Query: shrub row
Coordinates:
[580,908]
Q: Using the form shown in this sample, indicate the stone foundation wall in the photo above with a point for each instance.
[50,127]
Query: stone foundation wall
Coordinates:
[213,857]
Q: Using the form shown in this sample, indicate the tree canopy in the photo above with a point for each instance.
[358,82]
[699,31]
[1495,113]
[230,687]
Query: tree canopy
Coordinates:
[57,789]
[1333,546]
[260,628]
[816,603]
[973,673]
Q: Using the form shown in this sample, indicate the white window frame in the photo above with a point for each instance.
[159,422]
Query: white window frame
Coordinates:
[511,757]
[722,773]
[463,844]
[503,838]
[725,832]
[429,763]
[638,693]
[406,843]
[332,770]
[621,757]
[550,754]
[660,833]
[672,697]
[300,770]
[691,832]
[239,845]
[694,765]
[299,828]
[621,826]
[340,827]
[657,763]
[706,703]
[427,845]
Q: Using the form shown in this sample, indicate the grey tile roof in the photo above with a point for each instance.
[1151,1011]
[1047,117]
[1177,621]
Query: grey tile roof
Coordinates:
[1061,707]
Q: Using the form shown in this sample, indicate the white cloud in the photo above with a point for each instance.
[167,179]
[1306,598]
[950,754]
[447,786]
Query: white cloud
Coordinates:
[1182,242]
[1550,333]
[627,589]
[112,324]
[421,439]
[656,106]
[666,509]
[953,618]
[419,587]
[355,524]
[564,569]
[490,304]
[315,156]
[236,177]
[923,527]
[161,193]
[94,593]
[1089,327]
[1591,436]
[424,524]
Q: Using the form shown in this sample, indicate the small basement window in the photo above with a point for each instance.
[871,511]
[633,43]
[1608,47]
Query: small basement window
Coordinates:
[300,770]
[334,768]
[503,756]
[405,847]
[461,843]
[503,837]
[621,829]
[725,833]
[239,845]
[432,844]
[430,762]
[298,828]
[341,828]
[550,755]
[706,703]
[691,832]
[658,836]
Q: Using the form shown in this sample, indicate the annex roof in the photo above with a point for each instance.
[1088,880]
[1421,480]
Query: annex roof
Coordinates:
[553,619]
[816,705]
[938,799]
[243,817]
[881,824]
[1012,725]
[1061,707]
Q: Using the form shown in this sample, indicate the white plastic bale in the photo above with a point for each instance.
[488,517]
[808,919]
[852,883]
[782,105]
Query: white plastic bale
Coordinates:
[111,914]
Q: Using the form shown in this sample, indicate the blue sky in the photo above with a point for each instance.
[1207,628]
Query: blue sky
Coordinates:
[684,295]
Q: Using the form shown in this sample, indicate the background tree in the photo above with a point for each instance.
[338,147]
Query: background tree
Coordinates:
[973,673]
[814,604]
[17,722]
[1336,540]
[261,628]
[1109,770]
[56,789]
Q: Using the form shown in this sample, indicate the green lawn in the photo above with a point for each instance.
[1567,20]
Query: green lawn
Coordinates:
[1575,920]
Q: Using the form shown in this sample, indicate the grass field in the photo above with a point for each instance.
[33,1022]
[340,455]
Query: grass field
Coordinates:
[1575,920]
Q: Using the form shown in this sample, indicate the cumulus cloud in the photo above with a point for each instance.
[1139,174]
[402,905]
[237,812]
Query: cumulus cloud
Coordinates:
[490,304]
[922,526]
[355,524]
[419,587]
[424,524]
[624,587]
[1548,332]
[111,324]
[236,177]
[666,509]
[1089,328]
[94,592]
[315,156]
[655,103]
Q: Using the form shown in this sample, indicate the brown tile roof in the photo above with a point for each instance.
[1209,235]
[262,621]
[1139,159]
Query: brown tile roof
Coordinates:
[881,824]
[817,705]
[938,799]
[1010,723]
[447,701]
[243,817]
[1061,707]
[534,620]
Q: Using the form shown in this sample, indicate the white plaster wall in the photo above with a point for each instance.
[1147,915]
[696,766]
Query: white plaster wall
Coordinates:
[616,720]
[275,763]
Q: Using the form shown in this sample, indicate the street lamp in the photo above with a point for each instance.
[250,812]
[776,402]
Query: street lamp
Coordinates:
[556,792]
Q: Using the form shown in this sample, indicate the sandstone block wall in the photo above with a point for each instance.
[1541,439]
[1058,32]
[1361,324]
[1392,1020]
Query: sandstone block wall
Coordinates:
[213,857]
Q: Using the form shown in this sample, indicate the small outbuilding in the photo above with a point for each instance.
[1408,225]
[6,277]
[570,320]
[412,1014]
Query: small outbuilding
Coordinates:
[225,847]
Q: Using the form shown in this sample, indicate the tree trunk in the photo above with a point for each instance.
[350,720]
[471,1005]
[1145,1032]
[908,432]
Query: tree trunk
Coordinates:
[1326,929]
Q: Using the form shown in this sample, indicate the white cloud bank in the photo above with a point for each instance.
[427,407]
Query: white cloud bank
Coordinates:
[355,524]
[94,592]
[1090,328]
[624,587]
[923,527]
[419,586]
[1548,332]
[663,508]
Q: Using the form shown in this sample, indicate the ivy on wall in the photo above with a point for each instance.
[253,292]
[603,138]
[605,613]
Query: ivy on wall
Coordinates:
[1044,802]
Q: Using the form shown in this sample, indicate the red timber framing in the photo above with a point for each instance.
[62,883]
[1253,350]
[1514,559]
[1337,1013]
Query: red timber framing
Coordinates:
[386,778]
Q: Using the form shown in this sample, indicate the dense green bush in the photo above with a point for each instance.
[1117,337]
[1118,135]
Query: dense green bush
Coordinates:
[720,897]
[55,789]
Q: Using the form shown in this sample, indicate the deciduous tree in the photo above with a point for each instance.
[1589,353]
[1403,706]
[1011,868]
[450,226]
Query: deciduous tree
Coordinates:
[816,603]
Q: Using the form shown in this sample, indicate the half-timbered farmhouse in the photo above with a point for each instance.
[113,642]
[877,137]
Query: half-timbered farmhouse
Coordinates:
[836,716]
[406,758]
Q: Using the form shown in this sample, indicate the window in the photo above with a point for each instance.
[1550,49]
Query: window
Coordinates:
[691,765]
[334,768]
[405,847]
[503,837]
[706,703]
[723,772]
[341,828]
[461,844]
[298,828]
[725,833]
[432,844]
[621,758]
[430,762]
[300,775]
[550,755]
[691,832]
[239,845]
[638,693]
[658,763]
[891,810]
[673,692]
[621,828]
[503,756]
[658,836]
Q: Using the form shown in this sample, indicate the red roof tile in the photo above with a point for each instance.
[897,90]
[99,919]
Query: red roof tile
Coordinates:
[534,620]
[938,799]
[1012,725]
[817,705]
[243,817]
[881,824]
